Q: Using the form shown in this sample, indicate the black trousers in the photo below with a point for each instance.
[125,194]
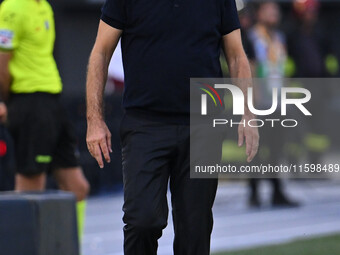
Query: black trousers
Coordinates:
[154,153]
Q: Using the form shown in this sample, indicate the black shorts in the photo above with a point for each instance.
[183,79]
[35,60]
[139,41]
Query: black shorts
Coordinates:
[44,138]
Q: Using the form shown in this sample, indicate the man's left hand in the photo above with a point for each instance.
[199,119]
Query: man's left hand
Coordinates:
[250,135]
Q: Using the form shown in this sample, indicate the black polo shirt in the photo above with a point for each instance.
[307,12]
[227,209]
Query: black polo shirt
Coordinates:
[164,44]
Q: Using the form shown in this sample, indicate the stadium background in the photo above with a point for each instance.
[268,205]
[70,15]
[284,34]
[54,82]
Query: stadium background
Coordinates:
[236,225]
[76,26]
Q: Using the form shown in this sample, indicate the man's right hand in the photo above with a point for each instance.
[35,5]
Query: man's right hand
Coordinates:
[98,139]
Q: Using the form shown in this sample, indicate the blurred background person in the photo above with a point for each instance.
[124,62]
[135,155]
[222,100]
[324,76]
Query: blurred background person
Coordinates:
[6,153]
[307,44]
[43,137]
[270,56]
[309,48]
[247,21]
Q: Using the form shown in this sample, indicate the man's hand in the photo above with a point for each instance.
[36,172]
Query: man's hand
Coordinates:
[98,139]
[3,113]
[251,135]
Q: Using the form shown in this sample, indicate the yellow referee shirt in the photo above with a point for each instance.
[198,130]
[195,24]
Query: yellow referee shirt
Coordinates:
[27,30]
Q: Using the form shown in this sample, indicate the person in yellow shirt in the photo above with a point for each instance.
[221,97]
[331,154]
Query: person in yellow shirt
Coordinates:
[30,82]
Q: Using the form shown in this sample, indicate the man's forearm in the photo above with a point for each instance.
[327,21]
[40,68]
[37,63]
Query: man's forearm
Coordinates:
[96,80]
[239,67]
[240,70]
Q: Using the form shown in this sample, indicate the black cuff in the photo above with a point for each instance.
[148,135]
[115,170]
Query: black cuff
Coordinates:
[231,29]
[112,22]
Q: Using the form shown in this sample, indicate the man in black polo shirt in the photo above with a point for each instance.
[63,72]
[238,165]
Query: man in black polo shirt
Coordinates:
[164,43]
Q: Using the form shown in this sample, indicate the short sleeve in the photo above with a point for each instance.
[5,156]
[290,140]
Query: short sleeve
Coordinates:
[113,13]
[230,20]
[10,26]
